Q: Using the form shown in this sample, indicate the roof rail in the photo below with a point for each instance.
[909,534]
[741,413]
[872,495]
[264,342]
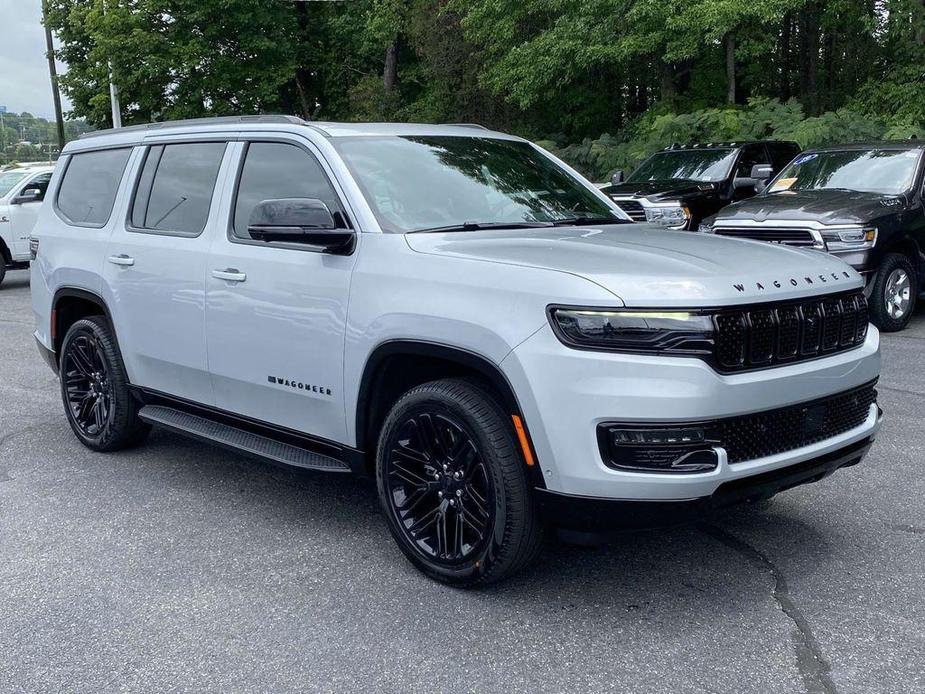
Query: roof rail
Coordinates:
[467,125]
[216,120]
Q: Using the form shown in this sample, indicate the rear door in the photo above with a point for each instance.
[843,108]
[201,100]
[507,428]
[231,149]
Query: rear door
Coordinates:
[276,312]
[156,265]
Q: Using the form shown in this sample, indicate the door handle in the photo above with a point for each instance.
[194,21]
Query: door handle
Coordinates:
[121,259]
[229,274]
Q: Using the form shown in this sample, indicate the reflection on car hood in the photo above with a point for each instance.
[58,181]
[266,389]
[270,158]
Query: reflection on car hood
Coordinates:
[825,206]
[646,266]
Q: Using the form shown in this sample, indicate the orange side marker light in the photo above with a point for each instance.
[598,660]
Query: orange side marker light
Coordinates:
[524,443]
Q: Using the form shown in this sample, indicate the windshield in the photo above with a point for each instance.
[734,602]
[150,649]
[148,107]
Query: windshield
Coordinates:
[8,180]
[887,171]
[705,165]
[423,183]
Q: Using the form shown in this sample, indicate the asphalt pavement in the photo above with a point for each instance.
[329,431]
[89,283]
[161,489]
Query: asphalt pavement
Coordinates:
[182,567]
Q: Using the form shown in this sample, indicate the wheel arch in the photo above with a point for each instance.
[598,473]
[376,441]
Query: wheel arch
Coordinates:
[6,257]
[69,305]
[909,247]
[395,366]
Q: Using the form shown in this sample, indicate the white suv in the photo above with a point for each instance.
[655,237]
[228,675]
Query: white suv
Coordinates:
[21,193]
[448,309]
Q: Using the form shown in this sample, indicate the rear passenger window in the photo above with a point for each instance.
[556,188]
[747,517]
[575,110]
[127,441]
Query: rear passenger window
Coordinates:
[90,184]
[274,170]
[175,188]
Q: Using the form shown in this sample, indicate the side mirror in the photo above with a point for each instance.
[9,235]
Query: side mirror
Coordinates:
[744,183]
[616,178]
[762,172]
[300,220]
[27,195]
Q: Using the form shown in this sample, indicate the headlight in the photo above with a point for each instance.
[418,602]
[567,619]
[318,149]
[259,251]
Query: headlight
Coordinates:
[674,215]
[705,228]
[849,239]
[671,332]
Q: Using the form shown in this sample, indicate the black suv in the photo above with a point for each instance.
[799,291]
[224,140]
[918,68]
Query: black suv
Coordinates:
[861,202]
[682,185]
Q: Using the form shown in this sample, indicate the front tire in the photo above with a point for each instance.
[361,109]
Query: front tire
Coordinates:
[2,268]
[453,485]
[95,389]
[892,300]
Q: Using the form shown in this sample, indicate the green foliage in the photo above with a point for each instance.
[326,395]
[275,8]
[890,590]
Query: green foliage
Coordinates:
[567,72]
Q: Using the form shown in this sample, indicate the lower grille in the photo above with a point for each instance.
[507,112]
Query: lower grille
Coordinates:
[633,208]
[785,235]
[762,434]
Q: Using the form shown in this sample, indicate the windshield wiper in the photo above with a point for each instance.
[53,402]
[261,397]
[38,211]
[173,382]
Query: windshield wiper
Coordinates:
[479,226]
[577,221]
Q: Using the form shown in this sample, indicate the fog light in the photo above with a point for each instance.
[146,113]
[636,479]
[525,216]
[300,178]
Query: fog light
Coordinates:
[655,449]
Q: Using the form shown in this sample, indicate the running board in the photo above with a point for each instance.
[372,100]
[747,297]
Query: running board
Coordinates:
[239,440]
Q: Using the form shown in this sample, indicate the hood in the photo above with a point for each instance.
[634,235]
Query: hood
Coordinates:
[825,206]
[657,191]
[646,266]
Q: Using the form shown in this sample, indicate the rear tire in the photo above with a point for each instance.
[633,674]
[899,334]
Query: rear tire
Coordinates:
[453,485]
[95,389]
[895,289]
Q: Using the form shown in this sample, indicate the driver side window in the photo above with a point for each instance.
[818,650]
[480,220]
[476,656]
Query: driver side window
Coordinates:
[276,170]
[39,183]
[751,156]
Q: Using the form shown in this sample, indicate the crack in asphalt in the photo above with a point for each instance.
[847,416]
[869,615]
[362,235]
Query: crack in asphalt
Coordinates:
[899,390]
[812,665]
[907,528]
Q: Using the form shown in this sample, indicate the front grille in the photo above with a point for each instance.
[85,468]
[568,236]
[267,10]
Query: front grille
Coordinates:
[762,434]
[772,334]
[785,235]
[633,208]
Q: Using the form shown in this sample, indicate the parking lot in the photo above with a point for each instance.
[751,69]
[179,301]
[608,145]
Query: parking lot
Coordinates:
[181,567]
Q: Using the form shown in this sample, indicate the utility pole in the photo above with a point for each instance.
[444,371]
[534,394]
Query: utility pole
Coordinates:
[53,71]
[113,91]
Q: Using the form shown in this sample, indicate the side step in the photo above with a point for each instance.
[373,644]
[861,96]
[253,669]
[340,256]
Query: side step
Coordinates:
[238,439]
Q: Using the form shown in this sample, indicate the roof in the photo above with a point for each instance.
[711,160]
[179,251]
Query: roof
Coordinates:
[899,145]
[331,130]
[31,167]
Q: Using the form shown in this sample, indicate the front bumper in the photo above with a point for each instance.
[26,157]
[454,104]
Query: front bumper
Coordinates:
[47,355]
[565,394]
[594,514]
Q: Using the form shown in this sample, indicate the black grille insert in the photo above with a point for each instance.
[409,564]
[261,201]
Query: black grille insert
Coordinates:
[788,236]
[777,431]
[770,334]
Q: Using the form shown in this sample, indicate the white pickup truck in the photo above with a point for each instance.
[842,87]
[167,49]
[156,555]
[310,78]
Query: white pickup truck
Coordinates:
[21,193]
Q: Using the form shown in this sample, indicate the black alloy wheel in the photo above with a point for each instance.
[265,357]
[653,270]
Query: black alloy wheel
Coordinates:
[95,389]
[438,487]
[87,385]
[453,484]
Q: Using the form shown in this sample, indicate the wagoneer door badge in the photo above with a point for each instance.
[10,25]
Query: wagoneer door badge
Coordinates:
[298,385]
[797,281]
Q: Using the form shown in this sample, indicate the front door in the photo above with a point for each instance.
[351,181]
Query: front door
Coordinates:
[156,265]
[24,214]
[276,311]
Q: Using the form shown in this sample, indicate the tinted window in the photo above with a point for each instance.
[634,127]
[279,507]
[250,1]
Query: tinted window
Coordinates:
[885,171]
[39,183]
[752,155]
[427,182]
[175,188]
[90,184]
[273,170]
[782,153]
[686,164]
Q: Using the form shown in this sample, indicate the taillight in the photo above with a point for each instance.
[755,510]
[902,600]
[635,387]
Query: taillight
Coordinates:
[33,248]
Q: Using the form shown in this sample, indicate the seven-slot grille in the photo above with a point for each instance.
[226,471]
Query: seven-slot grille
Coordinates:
[771,334]
[785,235]
[633,208]
[762,434]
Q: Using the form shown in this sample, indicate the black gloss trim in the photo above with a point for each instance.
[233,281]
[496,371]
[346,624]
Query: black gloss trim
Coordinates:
[588,514]
[355,458]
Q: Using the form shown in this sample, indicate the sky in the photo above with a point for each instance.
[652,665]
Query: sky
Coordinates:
[24,81]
